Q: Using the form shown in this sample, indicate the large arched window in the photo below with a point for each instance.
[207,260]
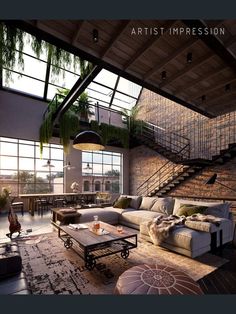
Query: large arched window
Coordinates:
[97,186]
[86,186]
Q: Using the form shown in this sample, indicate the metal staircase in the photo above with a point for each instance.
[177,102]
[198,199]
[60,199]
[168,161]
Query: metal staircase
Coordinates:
[177,150]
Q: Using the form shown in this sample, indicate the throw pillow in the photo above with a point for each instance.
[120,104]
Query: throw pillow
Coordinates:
[220,210]
[122,202]
[135,201]
[147,203]
[163,205]
[190,209]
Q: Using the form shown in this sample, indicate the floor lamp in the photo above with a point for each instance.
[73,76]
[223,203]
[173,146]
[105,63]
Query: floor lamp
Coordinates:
[213,179]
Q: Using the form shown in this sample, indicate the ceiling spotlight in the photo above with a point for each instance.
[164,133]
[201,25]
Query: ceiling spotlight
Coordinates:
[163,75]
[203,97]
[95,35]
[189,57]
[227,87]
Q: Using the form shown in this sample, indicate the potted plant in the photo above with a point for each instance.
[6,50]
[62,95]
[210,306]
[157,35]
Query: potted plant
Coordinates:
[4,200]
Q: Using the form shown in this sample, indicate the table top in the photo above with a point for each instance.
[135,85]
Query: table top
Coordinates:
[87,238]
[56,194]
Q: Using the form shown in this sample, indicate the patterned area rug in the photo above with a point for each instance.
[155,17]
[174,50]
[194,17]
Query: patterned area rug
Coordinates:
[52,269]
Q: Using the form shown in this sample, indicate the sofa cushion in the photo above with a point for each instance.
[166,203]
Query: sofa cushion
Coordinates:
[104,214]
[219,210]
[185,238]
[221,206]
[122,202]
[138,216]
[135,201]
[163,205]
[147,202]
[190,209]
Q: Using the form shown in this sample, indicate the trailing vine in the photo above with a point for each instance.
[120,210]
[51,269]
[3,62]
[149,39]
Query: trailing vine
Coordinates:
[11,38]
[12,42]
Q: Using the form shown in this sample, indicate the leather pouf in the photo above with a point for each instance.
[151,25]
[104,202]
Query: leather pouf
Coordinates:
[156,279]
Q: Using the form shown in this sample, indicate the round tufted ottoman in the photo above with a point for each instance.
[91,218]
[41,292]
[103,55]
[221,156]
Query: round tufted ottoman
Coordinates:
[156,279]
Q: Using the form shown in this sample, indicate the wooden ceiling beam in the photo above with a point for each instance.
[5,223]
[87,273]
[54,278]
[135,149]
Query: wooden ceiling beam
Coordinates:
[212,89]
[57,41]
[203,78]
[169,58]
[188,68]
[147,45]
[118,32]
[77,32]
[213,43]
[216,99]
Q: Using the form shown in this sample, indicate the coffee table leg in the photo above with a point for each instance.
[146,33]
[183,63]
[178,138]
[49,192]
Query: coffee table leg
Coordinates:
[68,243]
[90,262]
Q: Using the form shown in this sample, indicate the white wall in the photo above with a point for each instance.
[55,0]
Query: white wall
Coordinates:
[20,117]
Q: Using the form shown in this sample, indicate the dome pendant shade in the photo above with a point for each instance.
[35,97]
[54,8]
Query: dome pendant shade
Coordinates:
[88,140]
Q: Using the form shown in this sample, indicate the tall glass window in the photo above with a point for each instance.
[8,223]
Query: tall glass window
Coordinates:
[23,170]
[103,170]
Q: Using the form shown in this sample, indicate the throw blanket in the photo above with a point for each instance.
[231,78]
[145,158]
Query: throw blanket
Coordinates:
[159,228]
[204,218]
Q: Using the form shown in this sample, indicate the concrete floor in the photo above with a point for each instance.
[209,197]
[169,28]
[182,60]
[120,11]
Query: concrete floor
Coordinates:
[38,224]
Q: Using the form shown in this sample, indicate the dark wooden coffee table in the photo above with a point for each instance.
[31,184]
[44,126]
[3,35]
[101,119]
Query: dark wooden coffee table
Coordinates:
[91,246]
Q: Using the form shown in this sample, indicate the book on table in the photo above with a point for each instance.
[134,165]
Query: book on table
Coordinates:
[78,226]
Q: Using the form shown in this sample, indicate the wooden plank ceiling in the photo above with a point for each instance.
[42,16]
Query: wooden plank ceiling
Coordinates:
[207,84]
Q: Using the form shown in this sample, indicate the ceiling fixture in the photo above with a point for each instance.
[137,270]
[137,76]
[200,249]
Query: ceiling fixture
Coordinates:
[227,87]
[88,167]
[163,75]
[189,57]
[68,166]
[88,140]
[95,35]
[48,164]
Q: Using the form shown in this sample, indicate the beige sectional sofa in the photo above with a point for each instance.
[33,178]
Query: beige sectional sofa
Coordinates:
[191,242]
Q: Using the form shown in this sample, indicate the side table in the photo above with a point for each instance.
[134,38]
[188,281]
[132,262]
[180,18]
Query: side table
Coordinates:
[64,216]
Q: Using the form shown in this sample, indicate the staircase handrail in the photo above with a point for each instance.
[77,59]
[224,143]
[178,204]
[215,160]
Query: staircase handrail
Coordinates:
[169,140]
[159,170]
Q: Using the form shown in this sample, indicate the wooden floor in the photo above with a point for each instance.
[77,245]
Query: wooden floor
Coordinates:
[221,281]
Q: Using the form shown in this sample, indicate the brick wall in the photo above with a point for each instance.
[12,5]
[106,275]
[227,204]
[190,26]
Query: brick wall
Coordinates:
[171,116]
[143,163]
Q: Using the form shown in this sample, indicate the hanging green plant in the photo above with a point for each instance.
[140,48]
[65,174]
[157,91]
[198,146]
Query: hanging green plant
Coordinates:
[11,40]
[45,131]
[110,132]
[69,126]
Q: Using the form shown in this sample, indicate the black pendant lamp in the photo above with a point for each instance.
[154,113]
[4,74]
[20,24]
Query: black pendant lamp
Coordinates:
[88,140]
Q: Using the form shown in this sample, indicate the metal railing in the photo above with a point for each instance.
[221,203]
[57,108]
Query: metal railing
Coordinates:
[171,141]
[100,113]
[169,171]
